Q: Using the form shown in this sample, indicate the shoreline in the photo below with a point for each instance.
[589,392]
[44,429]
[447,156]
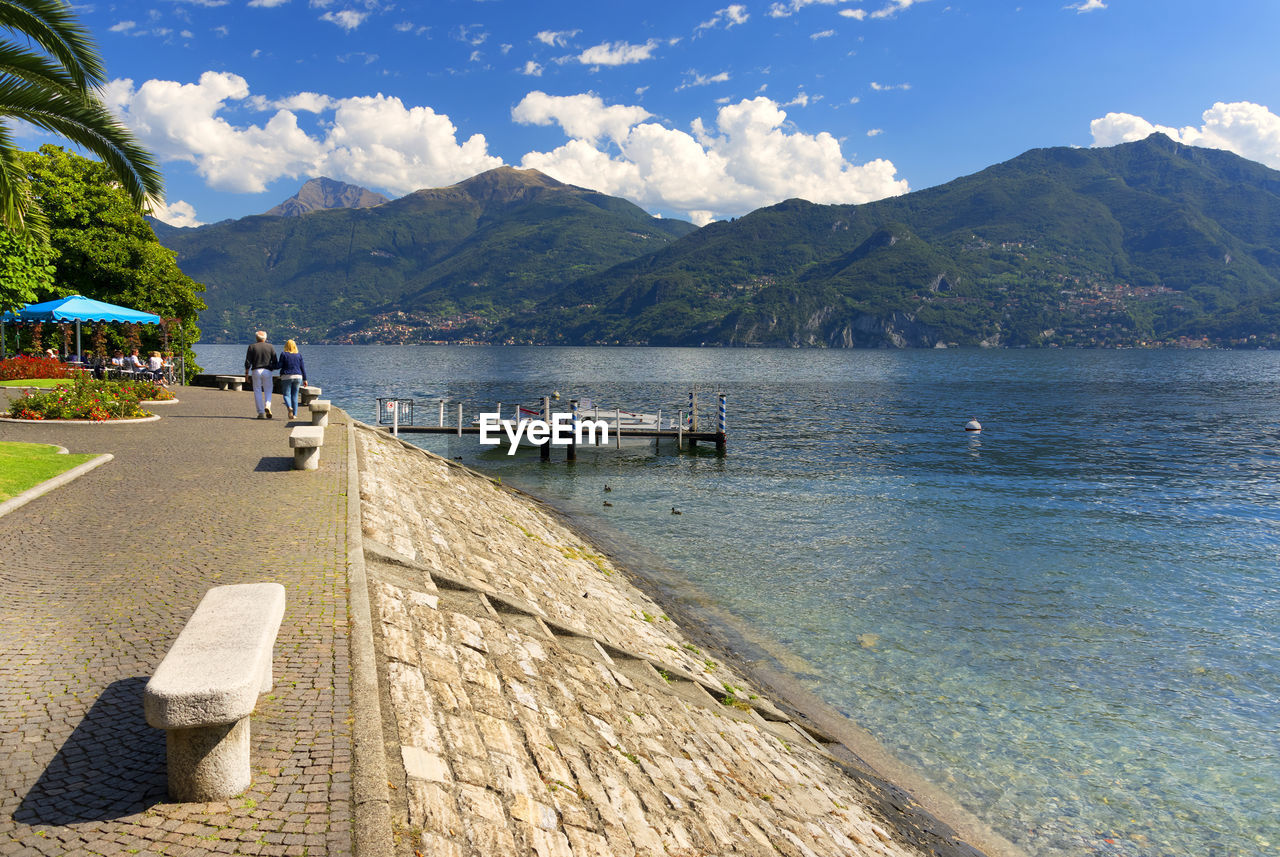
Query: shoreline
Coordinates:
[764,662]
[423,551]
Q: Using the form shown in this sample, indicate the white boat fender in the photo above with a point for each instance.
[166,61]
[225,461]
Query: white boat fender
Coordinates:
[973,425]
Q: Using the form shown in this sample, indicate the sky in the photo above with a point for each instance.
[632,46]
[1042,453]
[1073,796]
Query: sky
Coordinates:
[700,111]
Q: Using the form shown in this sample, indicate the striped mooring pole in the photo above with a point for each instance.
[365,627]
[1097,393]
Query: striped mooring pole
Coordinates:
[721,438]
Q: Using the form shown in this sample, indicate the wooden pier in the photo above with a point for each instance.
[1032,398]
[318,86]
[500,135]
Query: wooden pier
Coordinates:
[681,436]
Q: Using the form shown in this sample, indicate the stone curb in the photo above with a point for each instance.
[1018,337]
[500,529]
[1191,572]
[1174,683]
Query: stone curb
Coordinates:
[371,799]
[149,419]
[56,482]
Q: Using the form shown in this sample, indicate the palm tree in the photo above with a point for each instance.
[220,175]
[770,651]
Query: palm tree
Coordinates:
[53,82]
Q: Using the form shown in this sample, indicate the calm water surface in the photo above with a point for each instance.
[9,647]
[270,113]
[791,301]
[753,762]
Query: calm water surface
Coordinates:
[1068,621]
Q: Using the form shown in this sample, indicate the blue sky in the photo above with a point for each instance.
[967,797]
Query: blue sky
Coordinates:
[693,110]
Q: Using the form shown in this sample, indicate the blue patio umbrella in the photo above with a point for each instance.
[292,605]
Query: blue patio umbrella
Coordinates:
[76,308]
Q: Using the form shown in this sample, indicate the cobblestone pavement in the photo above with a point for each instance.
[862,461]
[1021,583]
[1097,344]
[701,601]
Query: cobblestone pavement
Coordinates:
[98,578]
[543,705]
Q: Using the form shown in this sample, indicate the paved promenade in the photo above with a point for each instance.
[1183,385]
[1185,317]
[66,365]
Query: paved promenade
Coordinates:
[99,576]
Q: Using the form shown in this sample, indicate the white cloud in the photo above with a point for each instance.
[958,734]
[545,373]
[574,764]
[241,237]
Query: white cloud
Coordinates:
[1086,6]
[123,27]
[583,116]
[310,102]
[750,159]
[823,34]
[786,10]
[179,213]
[703,80]
[875,132]
[896,6]
[618,53]
[889,87]
[347,19]
[728,16]
[266,4]
[1250,130]
[471,35]
[373,140]
[532,69]
[556,38]
[855,14]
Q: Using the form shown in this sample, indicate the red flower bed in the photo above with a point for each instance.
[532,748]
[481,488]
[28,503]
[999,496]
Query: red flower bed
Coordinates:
[22,368]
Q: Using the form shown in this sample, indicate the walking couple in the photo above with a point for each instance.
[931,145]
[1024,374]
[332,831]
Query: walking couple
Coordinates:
[261,360]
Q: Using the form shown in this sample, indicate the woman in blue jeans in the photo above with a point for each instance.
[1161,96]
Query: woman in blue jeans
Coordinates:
[293,374]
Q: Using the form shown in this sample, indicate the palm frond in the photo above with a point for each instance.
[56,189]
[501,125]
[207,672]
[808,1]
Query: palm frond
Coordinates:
[23,64]
[18,212]
[52,25]
[90,125]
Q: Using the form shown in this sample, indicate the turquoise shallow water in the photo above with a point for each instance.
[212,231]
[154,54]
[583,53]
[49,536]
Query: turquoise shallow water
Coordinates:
[1068,622]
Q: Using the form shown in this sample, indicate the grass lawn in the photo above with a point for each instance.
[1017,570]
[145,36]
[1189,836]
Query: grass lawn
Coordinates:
[26,465]
[48,383]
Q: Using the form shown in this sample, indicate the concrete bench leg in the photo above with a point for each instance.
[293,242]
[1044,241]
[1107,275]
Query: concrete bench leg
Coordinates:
[320,412]
[306,458]
[237,384]
[208,763]
[224,384]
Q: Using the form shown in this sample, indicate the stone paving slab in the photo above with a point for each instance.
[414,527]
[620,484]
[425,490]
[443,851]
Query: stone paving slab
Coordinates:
[541,704]
[99,577]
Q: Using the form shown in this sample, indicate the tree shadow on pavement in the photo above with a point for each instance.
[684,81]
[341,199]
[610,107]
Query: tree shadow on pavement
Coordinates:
[113,765]
[274,464]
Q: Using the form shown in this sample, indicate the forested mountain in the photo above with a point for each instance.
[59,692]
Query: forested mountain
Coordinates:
[1145,242]
[438,264]
[1141,242]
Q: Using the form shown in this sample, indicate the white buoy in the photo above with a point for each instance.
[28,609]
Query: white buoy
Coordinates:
[973,425]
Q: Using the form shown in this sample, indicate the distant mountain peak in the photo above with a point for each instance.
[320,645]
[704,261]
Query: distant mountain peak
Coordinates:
[501,186]
[320,194]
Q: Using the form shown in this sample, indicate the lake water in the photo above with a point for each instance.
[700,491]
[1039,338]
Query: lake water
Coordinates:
[1068,622]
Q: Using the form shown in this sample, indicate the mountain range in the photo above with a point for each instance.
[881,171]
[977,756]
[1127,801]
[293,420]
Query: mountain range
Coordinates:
[1146,242]
[437,264]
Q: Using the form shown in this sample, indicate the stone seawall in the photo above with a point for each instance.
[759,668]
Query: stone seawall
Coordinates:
[536,702]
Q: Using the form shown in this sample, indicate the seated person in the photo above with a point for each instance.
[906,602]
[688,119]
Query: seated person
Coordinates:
[133,362]
[95,364]
[155,368]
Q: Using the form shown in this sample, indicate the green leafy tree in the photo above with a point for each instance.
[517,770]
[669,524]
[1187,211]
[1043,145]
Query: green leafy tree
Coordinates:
[106,250]
[26,269]
[50,76]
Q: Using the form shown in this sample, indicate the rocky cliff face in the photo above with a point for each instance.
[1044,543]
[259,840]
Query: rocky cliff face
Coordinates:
[322,194]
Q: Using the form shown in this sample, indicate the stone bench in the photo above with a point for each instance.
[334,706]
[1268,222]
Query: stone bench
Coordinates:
[207,686]
[320,412]
[229,382]
[305,441]
[307,395]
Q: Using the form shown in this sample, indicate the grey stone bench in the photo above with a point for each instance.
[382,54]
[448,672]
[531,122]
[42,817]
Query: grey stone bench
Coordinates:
[320,412]
[307,395]
[305,441]
[207,686]
[229,382]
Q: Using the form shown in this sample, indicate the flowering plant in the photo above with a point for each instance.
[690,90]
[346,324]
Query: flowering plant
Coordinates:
[83,399]
[23,368]
[146,391]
